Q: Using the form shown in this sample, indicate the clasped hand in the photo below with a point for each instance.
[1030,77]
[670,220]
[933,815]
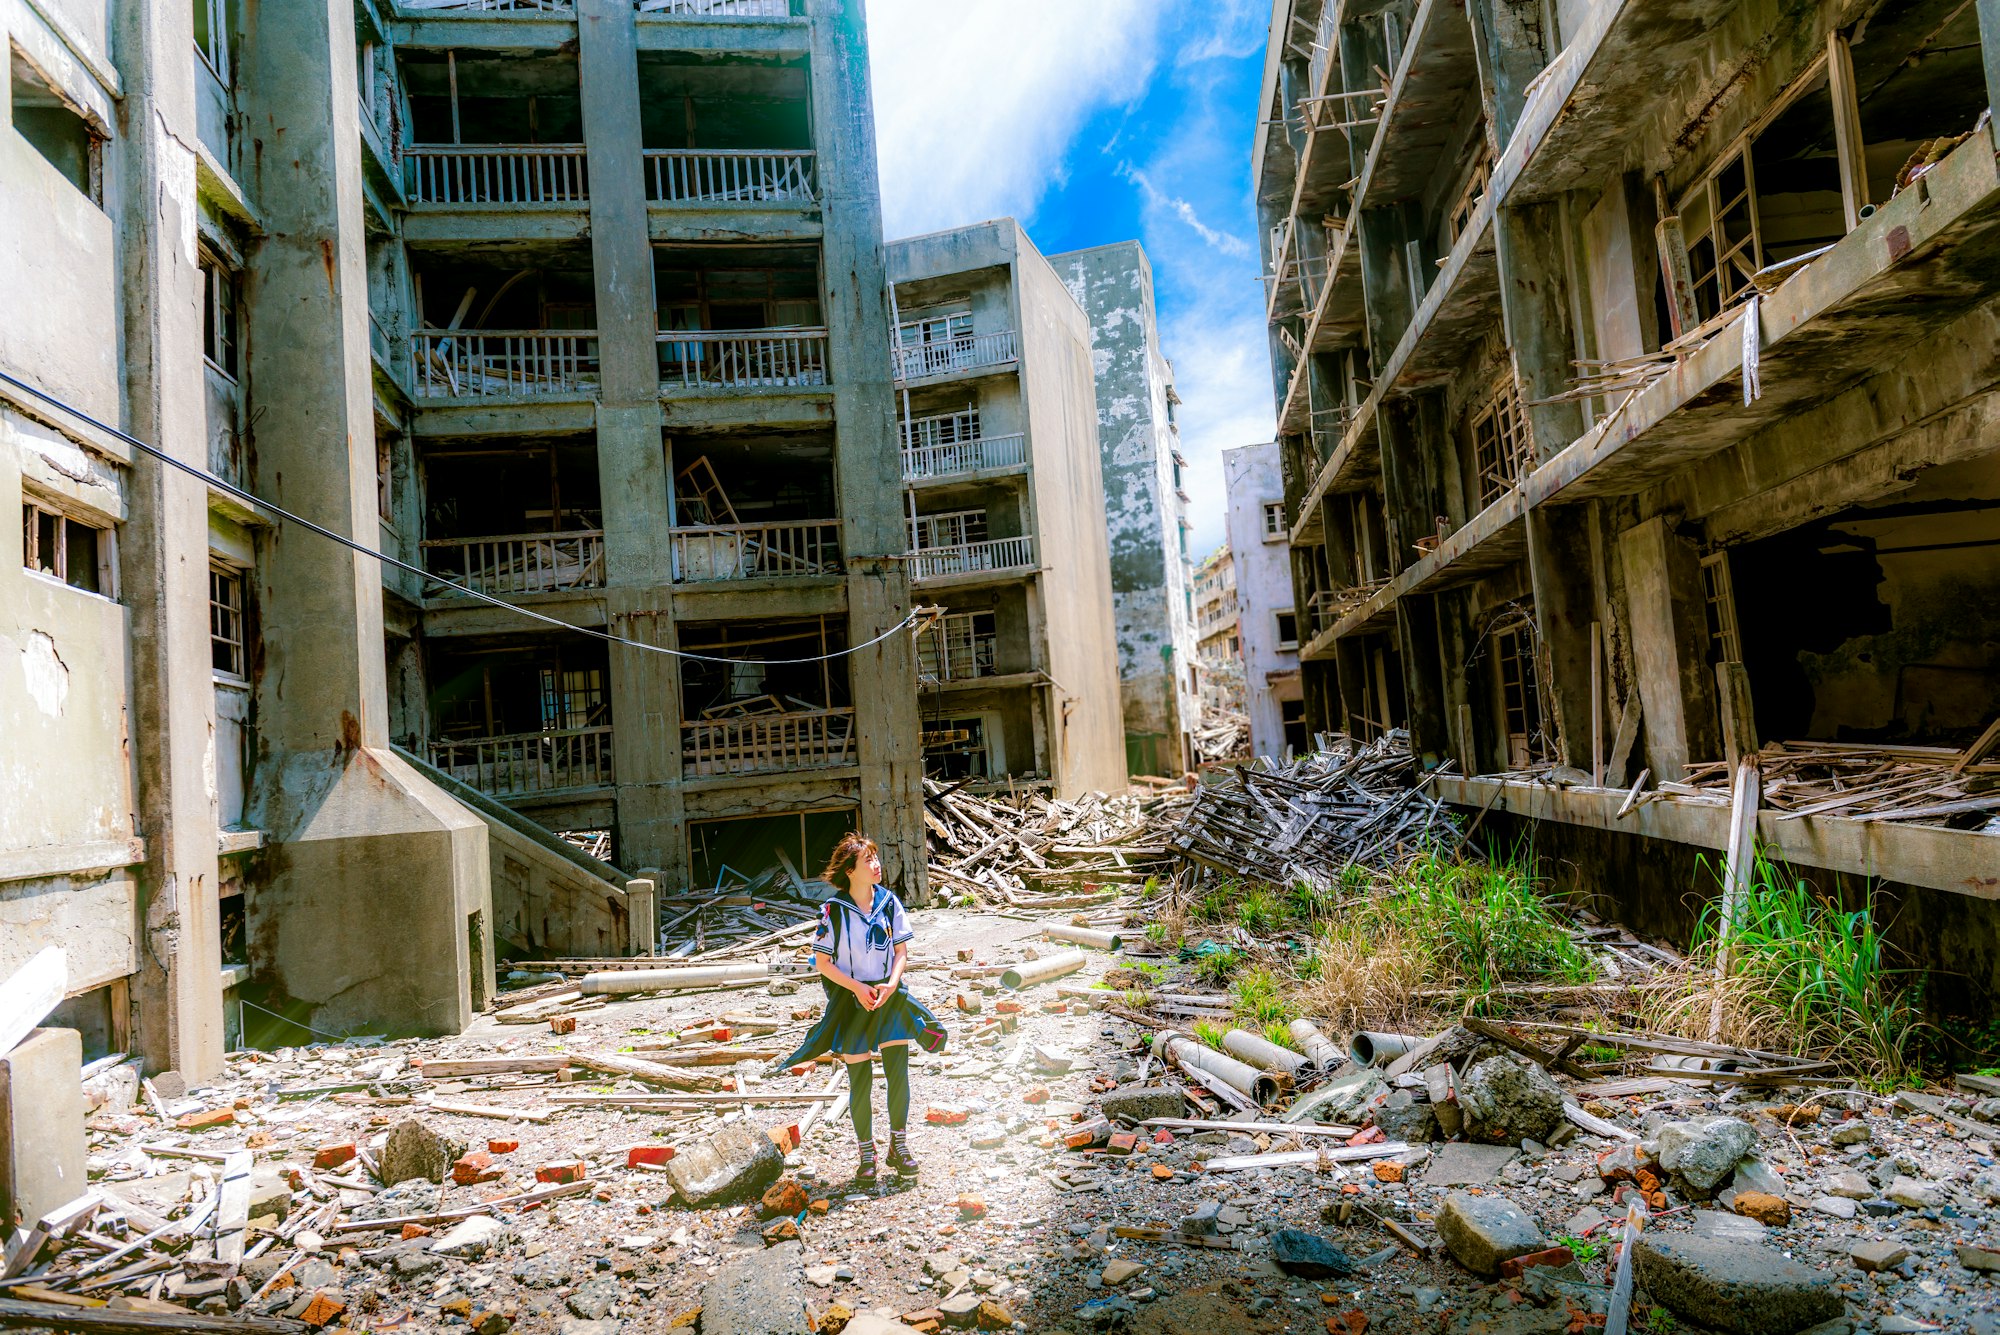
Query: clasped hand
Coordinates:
[870,995]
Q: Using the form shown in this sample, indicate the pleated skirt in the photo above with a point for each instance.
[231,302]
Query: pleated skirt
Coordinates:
[849,1030]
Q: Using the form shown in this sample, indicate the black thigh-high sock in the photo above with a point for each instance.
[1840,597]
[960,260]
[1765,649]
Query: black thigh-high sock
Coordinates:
[860,1093]
[896,1067]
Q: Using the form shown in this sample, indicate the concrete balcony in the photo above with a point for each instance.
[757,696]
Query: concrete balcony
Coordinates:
[496,175]
[793,550]
[528,764]
[951,459]
[960,353]
[992,557]
[777,743]
[502,7]
[504,363]
[717,9]
[730,176]
[698,360]
[520,563]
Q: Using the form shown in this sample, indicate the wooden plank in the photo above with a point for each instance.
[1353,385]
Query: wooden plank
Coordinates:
[1977,752]
[652,1073]
[535,1197]
[446,1069]
[1237,1163]
[16,1313]
[30,993]
[233,1211]
[536,1115]
[1738,858]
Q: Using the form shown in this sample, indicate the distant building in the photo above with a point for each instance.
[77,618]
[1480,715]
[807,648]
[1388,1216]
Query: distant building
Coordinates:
[1004,500]
[1218,646]
[1265,611]
[1152,578]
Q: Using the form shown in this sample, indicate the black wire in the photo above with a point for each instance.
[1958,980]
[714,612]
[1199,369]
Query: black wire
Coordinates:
[261,504]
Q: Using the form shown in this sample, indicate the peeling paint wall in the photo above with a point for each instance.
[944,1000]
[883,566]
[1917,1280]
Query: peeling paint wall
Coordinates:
[1146,515]
[1250,474]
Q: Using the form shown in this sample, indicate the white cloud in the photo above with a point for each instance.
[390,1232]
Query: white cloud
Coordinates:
[1180,208]
[977,101]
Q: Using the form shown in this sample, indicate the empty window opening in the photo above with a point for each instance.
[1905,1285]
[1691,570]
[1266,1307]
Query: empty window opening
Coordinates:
[56,130]
[766,676]
[1918,79]
[1502,449]
[526,689]
[727,854]
[64,548]
[1292,717]
[689,101]
[741,478]
[212,30]
[960,748]
[1288,630]
[960,647]
[736,287]
[1518,680]
[226,638]
[515,520]
[459,97]
[219,303]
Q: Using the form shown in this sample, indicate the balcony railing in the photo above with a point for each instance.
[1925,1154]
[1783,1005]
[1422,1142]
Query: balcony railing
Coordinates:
[728,176]
[964,352]
[492,6]
[742,358]
[502,174]
[767,743]
[523,764]
[501,363]
[520,562]
[711,9]
[756,551]
[963,456]
[1330,605]
[971,558]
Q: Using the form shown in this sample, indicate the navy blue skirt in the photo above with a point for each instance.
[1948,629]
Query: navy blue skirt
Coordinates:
[849,1030]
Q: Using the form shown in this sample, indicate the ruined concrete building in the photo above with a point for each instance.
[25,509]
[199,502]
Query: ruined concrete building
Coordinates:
[1273,697]
[1146,500]
[578,305]
[1005,510]
[1218,646]
[1618,341]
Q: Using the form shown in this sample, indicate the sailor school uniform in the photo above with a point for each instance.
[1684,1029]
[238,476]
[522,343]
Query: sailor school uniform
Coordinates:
[862,945]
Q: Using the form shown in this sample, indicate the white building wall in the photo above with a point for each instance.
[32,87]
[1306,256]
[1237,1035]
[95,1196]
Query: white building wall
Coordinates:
[1252,480]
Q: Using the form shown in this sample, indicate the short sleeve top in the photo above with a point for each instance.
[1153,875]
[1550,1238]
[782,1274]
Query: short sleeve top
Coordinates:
[863,945]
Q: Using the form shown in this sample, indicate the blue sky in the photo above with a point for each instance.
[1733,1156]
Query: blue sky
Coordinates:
[1095,121]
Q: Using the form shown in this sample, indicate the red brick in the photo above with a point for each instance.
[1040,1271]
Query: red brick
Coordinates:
[1039,1094]
[786,1197]
[323,1310]
[475,1168]
[971,1205]
[1367,1137]
[820,1206]
[562,1024]
[1007,1008]
[415,1231]
[784,1230]
[1515,1267]
[502,1146]
[565,1170]
[786,1138]
[1162,1173]
[1122,1143]
[945,1115]
[1388,1170]
[201,1121]
[1162,1136]
[654,1154]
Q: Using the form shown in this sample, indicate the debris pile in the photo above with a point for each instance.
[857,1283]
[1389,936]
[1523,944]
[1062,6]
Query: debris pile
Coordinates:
[1222,735]
[1917,785]
[1039,852]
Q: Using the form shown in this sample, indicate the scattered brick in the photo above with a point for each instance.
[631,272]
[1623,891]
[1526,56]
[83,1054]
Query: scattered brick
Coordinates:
[1006,1008]
[1162,1173]
[201,1121]
[1039,1094]
[946,1114]
[1370,1136]
[1162,1136]
[1122,1143]
[562,1024]
[786,1197]
[786,1138]
[566,1170]
[323,1310]
[475,1168]
[971,1205]
[1388,1170]
[653,1154]
[784,1230]
[820,1206]
[415,1231]
[502,1146]
[1771,1211]
[970,1003]
[1516,1266]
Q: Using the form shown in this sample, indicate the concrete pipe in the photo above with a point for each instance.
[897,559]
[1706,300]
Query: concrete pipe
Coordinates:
[611,982]
[1368,1048]
[1044,969]
[1084,936]
[1265,1055]
[1320,1050]
[1260,1086]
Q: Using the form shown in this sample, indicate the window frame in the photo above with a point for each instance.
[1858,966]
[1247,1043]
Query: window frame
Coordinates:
[222,309]
[229,575]
[220,22]
[1502,446]
[1278,616]
[1280,530]
[35,508]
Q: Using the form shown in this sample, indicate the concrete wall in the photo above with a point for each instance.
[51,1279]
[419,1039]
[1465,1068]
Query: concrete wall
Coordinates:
[1251,478]
[1151,573]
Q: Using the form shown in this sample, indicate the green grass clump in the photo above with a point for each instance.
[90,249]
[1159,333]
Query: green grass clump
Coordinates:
[1209,1032]
[1259,911]
[1280,1033]
[1259,996]
[1483,922]
[1216,967]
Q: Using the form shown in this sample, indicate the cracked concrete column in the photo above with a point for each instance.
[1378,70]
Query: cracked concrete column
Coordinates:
[1669,647]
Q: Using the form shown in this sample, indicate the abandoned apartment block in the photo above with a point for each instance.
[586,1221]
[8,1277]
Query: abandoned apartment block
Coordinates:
[1005,508]
[576,306]
[1635,381]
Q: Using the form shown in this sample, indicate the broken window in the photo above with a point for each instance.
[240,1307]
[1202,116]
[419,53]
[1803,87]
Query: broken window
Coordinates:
[1469,195]
[1520,694]
[959,647]
[226,622]
[1292,715]
[942,429]
[479,98]
[1719,596]
[1288,630]
[211,36]
[67,549]
[1501,446]
[219,315]
[57,130]
[957,748]
[954,528]
[573,697]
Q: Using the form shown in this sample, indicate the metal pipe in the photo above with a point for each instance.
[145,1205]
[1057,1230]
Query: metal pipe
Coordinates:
[615,981]
[1320,1050]
[1368,1048]
[1084,936]
[1029,973]
[1265,1055]
[1261,1086]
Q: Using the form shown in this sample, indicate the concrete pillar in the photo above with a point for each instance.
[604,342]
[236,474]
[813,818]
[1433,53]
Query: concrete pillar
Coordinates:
[1385,279]
[41,1125]
[1455,652]
[866,455]
[376,888]
[1532,241]
[1420,473]
[163,551]
[1423,677]
[1989,50]
[1560,568]
[1507,49]
[1669,647]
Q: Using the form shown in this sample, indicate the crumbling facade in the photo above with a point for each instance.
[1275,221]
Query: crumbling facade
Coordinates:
[1615,349]
[581,306]
[1218,647]
[1005,505]
[1258,534]
[1146,500]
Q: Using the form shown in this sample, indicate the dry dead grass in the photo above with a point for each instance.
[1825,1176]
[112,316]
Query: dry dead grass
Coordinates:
[1364,984]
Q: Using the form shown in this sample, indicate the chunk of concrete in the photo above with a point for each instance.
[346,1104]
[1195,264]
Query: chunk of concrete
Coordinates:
[757,1293]
[413,1150]
[736,1163]
[1308,1255]
[1483,1231]
[42,1146]
[471,1238]
[1913,1194]
[1506,1101]
[1404,1117]
[1702,1153]
[1139,1102]
[1733,1286]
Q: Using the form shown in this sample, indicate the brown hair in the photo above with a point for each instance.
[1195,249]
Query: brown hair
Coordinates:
[847,855]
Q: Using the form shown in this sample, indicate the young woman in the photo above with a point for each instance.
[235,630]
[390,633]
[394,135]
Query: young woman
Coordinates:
[861,949]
